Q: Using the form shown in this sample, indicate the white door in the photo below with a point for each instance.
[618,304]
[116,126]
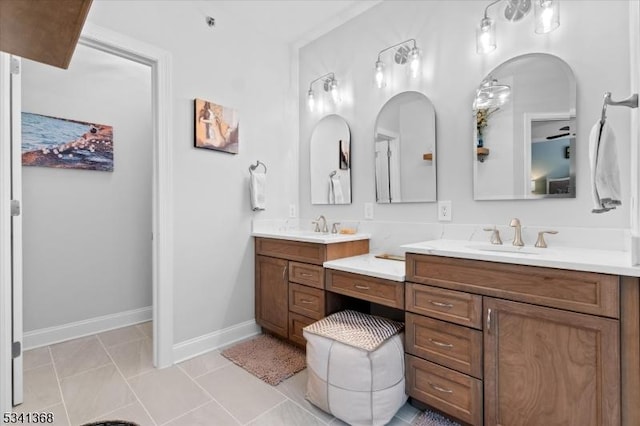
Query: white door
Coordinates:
[11,391]
[16,228]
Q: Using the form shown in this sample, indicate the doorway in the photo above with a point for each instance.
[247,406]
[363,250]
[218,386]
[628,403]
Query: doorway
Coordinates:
[159,63]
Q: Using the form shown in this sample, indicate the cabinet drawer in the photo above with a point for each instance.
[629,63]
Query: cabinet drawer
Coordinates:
[453,346]
[586,292]
[306,301]
[296,324]
[377,290]
[448,305]
[454,393]
[292,250]
[303,273]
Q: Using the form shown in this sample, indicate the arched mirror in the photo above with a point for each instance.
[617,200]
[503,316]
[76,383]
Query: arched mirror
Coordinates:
[331,161]
[405,147]
[524,140]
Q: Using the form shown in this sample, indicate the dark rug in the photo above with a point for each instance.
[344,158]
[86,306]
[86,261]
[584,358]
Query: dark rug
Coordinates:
[431,418]
[267,358]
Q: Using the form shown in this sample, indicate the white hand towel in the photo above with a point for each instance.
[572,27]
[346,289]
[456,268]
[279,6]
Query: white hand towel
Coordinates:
[605,170]
[257,188]
[338,195]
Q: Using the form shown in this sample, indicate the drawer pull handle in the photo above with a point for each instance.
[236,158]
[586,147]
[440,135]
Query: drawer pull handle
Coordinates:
[362,287]
[489,320]
[444,345]
[305,274]
[441,304]
[439,389]
[306,301]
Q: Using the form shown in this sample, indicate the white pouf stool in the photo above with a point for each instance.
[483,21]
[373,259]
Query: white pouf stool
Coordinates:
[355,365]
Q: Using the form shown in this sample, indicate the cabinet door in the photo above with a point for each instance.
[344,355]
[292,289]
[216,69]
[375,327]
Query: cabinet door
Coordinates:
[272,290]
[545,366]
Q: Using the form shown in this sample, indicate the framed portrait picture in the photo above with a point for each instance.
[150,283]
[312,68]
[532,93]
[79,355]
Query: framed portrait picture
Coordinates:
[216,127]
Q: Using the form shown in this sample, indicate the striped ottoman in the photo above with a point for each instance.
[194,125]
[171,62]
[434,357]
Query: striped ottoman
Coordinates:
[355,365]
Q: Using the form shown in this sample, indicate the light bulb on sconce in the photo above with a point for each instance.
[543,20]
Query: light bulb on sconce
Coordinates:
[335,93]
[486,36]
[379,75]
[311,101]
[330,85]
[547,16]
[414,62]
[404,55]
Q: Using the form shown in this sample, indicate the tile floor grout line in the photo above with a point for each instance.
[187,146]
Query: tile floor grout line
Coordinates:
[266,412]
[210,371]
[185,413]
[122,343]
[55,370]
[300,405]
[128,385]
[113,411]
[211,396]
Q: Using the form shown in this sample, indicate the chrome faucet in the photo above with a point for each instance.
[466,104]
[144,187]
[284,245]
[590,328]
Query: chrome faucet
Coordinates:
[495,235]
[325,228]
[517,237]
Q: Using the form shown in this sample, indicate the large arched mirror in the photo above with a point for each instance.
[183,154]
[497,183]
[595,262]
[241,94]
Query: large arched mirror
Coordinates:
[524,140]
[331,161]
[405,147]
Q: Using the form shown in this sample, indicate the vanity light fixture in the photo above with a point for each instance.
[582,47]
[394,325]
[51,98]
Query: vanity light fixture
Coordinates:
[490,94]
[330,85]
[404,55]
[547,16]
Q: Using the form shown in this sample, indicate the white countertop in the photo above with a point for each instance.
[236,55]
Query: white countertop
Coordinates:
[578,259]
[310,236]
[368,264]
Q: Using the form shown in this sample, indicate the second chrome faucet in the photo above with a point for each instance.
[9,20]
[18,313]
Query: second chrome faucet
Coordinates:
[517,236]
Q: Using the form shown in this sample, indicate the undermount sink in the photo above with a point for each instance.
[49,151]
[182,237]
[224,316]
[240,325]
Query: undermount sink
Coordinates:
[506,249]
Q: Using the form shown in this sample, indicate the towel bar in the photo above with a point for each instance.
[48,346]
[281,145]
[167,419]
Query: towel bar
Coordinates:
[631,102]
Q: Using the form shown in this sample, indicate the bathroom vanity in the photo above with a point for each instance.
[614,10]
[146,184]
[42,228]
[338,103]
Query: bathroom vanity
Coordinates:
[289,279]
[492,337]
[506,342]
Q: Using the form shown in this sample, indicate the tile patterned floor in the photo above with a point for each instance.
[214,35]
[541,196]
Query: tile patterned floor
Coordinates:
[110,376]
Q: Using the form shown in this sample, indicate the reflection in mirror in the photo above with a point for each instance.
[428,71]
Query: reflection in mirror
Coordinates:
[405,147]
[524,138]
[331,161]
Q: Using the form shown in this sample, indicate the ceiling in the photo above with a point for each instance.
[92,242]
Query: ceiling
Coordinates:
[292,22]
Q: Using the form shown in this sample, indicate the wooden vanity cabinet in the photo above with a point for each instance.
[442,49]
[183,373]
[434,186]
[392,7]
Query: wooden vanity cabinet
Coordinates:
[498,344]
[290,283]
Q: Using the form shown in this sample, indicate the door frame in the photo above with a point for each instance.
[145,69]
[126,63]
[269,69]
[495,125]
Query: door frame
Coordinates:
[162,223]
[162,202]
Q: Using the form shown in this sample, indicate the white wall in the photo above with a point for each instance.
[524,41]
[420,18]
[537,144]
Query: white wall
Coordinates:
[593,38]
[87,234]
[231,65]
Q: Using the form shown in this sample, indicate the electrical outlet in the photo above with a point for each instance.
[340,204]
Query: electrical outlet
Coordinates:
[292,210]
[368,211]
[444,211]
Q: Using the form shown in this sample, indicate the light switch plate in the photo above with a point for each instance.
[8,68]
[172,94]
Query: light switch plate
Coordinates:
[444,211]
[368,211]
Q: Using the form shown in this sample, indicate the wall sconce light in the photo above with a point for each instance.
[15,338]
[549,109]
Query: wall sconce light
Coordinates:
[404,55]
[490,94]
[547,16]
[330,85]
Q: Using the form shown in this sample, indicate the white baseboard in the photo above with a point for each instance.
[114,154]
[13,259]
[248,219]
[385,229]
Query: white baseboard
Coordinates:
[50,335]
[208,342]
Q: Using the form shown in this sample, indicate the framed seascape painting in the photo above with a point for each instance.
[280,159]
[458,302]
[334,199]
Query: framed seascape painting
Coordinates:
[216,127]
[66,144]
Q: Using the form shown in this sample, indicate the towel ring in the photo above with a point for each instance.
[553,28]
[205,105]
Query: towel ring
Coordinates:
[333,173]
[630,102]
[258,164]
